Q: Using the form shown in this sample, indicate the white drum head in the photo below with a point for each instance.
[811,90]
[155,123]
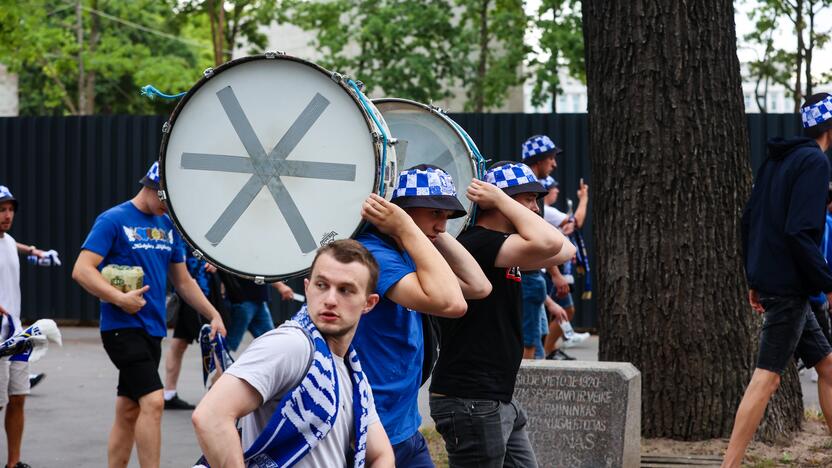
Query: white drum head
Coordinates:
[427,137]
[266,160]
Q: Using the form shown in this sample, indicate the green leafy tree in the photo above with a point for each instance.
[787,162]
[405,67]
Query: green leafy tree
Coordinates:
[493,39]
[562,47]
[92,56]
[790,66]
[408,48]
[232,23]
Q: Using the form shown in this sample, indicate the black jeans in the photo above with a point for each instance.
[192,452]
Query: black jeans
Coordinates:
[790,328]
[483,433]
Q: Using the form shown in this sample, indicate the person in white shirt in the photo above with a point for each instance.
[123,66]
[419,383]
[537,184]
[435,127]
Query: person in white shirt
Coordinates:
[284,386]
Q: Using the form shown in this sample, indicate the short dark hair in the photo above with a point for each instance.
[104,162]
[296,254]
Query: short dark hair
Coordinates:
[819,129]
[348,251]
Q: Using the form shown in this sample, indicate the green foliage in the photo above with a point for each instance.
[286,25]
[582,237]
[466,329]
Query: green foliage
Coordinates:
[119,54]
[408,48]
[562,41]
[493,41]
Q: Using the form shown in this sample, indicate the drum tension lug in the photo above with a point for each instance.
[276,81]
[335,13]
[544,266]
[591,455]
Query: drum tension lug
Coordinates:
[197,254]
[336,77]
[437,109]
[392,141]
[166,127]
[270,54]
[208,72]
[360,85]
[376,137]
[259,280]
[162,195]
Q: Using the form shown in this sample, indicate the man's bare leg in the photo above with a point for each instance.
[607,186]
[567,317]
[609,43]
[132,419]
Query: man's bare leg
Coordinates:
[149,429]
[14,427]
[555,332]
[173,362]
[749,414]
[824,369]
[121,439]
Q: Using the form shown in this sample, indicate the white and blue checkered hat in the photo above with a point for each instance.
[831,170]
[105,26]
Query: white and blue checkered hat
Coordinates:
[514,178]
[151,179]
[427,187]
[548,183]
[817,113]
[537,146]
[6,195]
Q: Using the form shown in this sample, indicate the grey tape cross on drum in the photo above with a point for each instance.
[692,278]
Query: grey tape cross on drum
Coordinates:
[266,169]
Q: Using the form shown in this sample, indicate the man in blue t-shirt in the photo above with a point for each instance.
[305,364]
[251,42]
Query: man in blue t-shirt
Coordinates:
[138,233]
[424,269]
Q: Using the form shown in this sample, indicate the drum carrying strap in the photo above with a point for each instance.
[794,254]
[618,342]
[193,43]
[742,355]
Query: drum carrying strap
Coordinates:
[305,415]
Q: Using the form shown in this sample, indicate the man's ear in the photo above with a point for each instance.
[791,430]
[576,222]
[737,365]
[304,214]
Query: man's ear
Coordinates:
[305,284]
[372,300]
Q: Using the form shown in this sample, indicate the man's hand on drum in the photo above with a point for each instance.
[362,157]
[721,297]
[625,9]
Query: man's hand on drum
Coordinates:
[484,194]
[387,217]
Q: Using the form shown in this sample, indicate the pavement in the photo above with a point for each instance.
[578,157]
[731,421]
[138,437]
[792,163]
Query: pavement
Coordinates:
[68,416]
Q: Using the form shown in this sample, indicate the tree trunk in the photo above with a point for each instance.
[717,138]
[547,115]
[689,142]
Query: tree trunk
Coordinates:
[79,36]
[95,35]
[810,49]
[482,67]
[670,161]
[798,62]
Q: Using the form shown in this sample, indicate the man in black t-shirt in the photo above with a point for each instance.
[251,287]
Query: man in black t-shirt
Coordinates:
[473,381]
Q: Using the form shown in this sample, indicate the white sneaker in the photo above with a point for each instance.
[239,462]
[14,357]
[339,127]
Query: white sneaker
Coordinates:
[577,339]
[813,374]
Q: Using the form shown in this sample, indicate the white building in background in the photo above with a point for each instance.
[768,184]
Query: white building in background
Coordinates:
[9,102]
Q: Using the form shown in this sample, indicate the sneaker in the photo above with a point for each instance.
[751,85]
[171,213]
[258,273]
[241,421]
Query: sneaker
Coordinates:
[577,339]
[35,379]
[558,355]
[20,464]
[177,403]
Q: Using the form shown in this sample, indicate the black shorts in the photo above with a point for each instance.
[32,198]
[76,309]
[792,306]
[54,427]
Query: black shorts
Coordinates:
[790,328]
[136,355]
[188,323]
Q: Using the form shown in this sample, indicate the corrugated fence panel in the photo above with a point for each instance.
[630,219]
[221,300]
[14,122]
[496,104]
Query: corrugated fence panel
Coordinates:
[67,170]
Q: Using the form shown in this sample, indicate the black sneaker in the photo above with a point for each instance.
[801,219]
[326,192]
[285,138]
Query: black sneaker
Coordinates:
[558,355]
[177,403]
[20,464]
[35,379]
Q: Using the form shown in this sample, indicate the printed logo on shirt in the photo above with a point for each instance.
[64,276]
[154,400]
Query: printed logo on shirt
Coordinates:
[149,238]
[513,274]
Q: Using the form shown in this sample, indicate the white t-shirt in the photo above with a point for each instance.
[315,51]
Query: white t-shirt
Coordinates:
[274,364]
[554,216]
[9,282]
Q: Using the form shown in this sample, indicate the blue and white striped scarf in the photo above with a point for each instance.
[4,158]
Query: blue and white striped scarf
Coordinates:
[306,414]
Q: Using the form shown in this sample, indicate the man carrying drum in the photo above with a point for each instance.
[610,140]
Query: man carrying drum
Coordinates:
[137,233]
[284,384]
[473,382]
[425,270]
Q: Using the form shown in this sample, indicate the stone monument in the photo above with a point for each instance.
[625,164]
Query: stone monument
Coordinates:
[582,414]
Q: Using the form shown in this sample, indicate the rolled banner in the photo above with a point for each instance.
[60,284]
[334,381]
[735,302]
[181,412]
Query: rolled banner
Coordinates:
[31,344]
[213,352]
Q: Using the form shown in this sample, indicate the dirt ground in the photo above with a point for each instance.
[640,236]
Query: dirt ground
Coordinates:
[812,447]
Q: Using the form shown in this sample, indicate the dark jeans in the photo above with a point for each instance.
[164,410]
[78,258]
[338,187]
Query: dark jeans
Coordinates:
[413,453]
[789,328]
[483,433]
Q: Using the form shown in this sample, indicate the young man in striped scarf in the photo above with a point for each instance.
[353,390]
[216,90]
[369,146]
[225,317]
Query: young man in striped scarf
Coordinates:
[299,389]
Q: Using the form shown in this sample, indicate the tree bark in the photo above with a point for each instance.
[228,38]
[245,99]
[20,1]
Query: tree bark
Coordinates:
[79,36]
[95,35]
[798,63]
[670,161]
[482,67]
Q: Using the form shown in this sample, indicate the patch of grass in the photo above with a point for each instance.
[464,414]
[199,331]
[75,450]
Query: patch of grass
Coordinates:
[812,414]
[436,446]
[787,458]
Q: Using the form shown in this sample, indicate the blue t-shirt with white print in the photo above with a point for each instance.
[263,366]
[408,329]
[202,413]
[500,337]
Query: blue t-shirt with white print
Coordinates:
[124,235]
[390,336]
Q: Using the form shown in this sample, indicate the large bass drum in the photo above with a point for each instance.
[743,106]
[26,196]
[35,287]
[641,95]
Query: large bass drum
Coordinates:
[269,157]
[426,135]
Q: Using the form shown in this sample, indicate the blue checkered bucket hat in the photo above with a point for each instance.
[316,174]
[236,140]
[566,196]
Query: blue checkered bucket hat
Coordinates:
[817,113]
[6,195]
[548,183]
[427,188]
[151,179]
[514,178]
[538,147]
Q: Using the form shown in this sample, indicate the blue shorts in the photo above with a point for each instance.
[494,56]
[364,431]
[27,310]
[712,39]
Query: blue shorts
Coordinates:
[413,452]
[534,294]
